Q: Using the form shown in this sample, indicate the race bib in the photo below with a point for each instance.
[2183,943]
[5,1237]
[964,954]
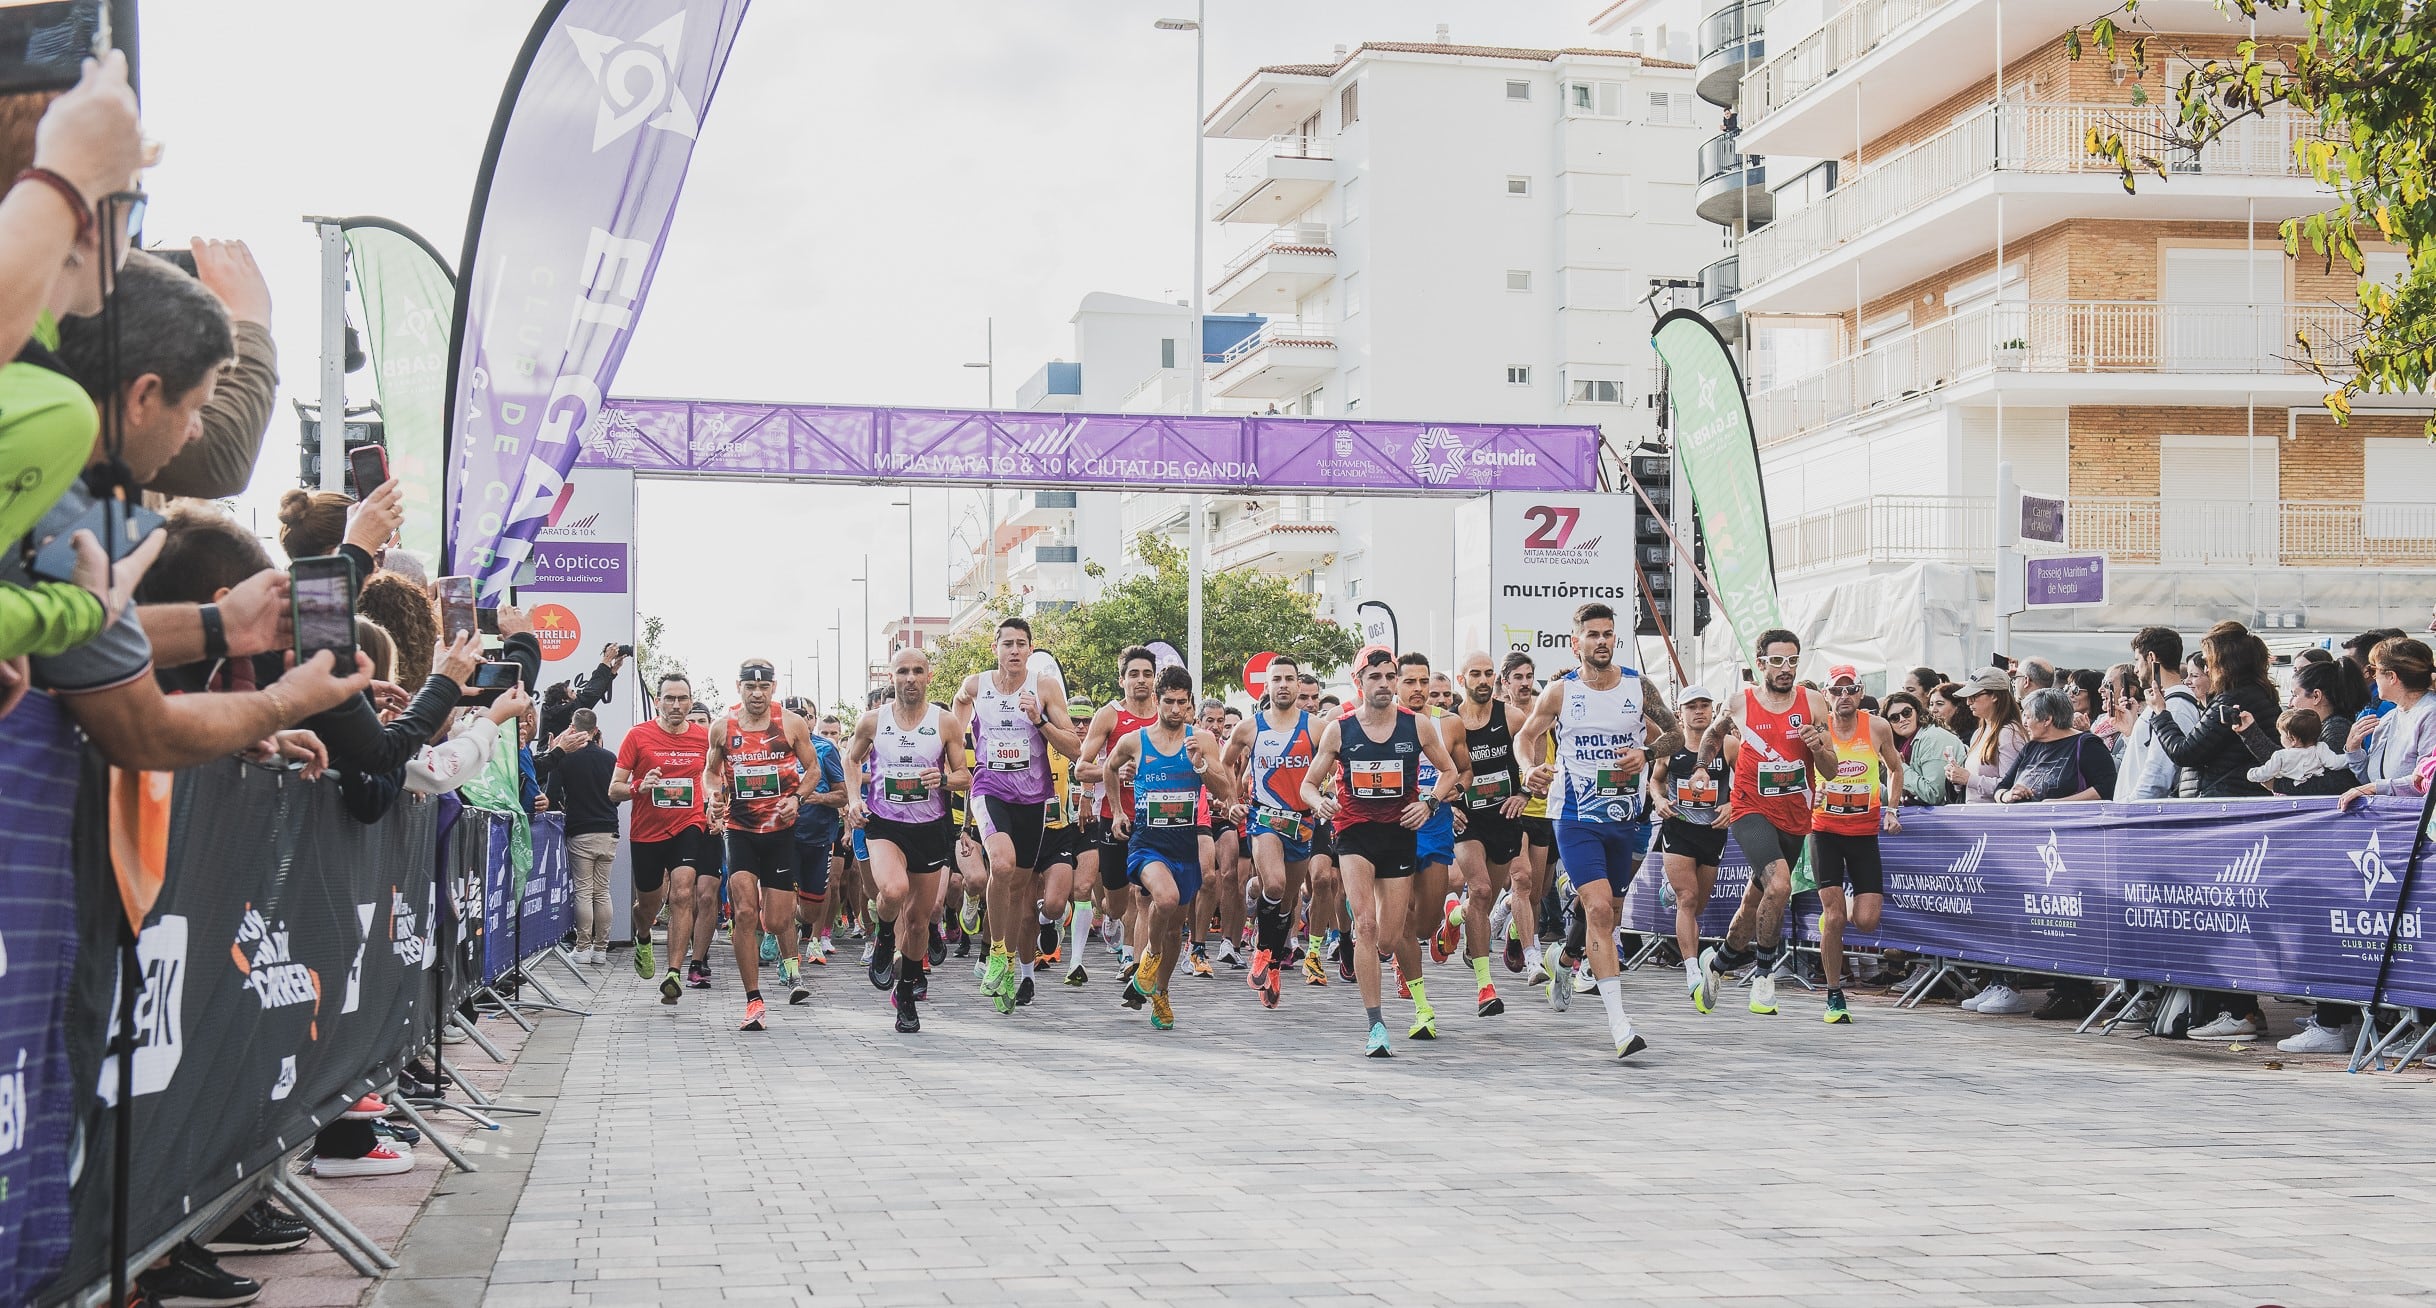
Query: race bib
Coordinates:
[1169,808]
[673,792]
[903,786]
[1612,783]
[1009,755]
[758,781]
[1378,778]
[1844,799]
[1283,822]
[1779,777]
[1698,790]
[1490,789]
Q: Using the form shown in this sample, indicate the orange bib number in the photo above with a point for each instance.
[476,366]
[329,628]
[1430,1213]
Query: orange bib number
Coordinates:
[1377,778]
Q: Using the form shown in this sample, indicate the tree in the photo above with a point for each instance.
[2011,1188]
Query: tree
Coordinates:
[652,655]
[2364,77]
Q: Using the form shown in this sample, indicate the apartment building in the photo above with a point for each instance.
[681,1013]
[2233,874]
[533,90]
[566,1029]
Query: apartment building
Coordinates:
[1966,285]
[1430,230]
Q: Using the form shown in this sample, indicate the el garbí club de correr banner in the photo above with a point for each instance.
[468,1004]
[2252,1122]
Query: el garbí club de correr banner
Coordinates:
[1713,438]
[571,210]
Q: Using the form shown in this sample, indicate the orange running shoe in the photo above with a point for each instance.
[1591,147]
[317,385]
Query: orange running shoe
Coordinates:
[752,1016]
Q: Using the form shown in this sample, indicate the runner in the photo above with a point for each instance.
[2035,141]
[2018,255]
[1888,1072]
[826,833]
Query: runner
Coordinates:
[1442,696]
[818,828]
[1061,843]
[1529,883]
[1015,718]
[1321,936]
[1174,770]
[1595,717]
[1276,745]
[1689,800]
[1490,844]
[1851,810]
[670,836]
[1222,880]
[917,756]
[760,770]
[1771,798]
[1137,673]
[1379,747]
[1434,845]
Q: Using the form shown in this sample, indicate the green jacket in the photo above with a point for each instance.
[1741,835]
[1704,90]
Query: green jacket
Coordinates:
[47,427]
[1933,750]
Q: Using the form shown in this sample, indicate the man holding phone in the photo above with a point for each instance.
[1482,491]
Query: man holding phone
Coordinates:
[2146,771]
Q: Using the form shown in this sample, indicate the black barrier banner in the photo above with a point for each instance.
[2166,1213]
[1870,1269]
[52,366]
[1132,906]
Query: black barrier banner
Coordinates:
[38,766]
[286,973]
[465,846]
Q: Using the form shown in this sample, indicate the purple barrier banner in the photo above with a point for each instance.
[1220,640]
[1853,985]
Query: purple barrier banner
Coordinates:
[1649,902]
[1214,452]
[499,905]
[549,893]
[38,771]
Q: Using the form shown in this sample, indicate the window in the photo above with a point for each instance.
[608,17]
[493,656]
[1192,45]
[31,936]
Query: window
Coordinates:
[1518,90]
[1670,108]
[1518,279]
[1596,391]
[1349,105]
[1349,200]
[1167,352]
[1353,294]
[1311,401]
[1595,99]
[1353,389]
[1518,374]
[1518,186]
[2396,471]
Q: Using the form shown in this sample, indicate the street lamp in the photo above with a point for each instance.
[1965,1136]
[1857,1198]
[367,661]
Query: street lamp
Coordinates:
[1197,534]
[989,361]
[907,504]
[863,642]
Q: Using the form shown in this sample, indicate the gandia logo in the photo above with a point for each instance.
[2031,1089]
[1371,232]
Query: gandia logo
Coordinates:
[1438,456]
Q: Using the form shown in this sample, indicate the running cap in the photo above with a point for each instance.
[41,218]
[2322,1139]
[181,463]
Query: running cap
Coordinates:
[757,672]
[1690,693]
[1987,681]
[1843,672]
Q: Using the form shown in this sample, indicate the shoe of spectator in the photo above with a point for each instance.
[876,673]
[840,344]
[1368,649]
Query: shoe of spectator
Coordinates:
[2315,1039]
[1971,1002]
[452,1035]
[192,1278]
[2226,1027]
[366,1109]
[2064,1006]
[384,1160]
[2005,1001]
[2141,1010]
[261,1229]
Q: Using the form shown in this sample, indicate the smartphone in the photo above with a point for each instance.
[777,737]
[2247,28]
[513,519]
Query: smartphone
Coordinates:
[487,620]
[490,680]
[369,465]
[321,594]
[116,524]
[456,607]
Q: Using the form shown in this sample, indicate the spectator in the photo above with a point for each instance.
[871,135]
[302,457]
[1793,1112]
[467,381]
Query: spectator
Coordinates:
[2145,770]
[405,611]
[442,767]
[2087,688]
[1928,750]
[206,558]
[2328,689]
[1919,683]
[1947,710]
[312,523]
[2032,674]
[2393,745]
[2119,708]
[2304,766]
[1997,740]
[2060,761]
[560,704]
[2236,665]
[2358,651]
[372,747]
[91,145]
[579,788]
[220,463]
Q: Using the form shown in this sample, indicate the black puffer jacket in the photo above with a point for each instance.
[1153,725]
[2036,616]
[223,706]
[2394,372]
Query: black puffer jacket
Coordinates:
[2213,750]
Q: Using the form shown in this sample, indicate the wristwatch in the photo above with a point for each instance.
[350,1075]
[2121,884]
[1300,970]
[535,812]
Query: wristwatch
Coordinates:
[215,633]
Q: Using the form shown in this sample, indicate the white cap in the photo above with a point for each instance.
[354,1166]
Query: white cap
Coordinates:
[1690,693]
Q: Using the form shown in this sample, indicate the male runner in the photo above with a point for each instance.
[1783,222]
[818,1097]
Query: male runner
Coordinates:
[1174,770]
[1595,717]
[1379,748]
[1442,695]
[1061,843]
[917,756]
[1689,800]
[1853,806]
[820,844]
[1276,744]
[1222,879]
[1434,844]
[1771,797]
[669,835]
[1520,678]
[1327,895]
[1137,673]
[763,757]
[1016,718]
[1490,843]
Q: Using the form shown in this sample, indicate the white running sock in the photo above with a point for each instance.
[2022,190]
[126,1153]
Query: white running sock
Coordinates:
[1530,956]
[1082,930]
[1027,969]
[1612,990]
[1692,973]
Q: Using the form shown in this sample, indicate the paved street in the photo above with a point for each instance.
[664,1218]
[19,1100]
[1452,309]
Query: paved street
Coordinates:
[1071,1155]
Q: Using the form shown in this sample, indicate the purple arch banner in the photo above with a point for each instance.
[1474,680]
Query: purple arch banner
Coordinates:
[1225,453]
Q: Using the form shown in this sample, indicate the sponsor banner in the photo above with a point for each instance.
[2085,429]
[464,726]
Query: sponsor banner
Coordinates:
[549,894]
[408,294]
[38,949]
[499,900]
[1712,432]
[1549,555]
[1649,902]
[582,597]
[571,210]
[1223,453]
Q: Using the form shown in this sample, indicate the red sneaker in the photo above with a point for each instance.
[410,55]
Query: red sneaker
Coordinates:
[752,1015]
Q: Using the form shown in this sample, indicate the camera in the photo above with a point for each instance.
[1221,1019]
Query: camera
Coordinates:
[625,651]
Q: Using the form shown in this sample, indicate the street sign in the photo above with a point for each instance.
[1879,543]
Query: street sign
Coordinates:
[2065,581]
[1256,674]
[2042,519]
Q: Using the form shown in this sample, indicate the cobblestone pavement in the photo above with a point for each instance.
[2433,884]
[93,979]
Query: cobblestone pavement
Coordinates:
[1069,1154]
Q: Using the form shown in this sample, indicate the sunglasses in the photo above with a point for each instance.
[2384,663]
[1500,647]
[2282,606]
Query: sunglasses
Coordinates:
[1901,715]
[1844,690]
[1779,660]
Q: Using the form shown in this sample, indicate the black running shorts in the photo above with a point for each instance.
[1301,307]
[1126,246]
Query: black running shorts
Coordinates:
[925,846]
[655,859]
[1703,845]
[1020,823]
[1388,847]
[767,856]
[1499,837]
[1839,860]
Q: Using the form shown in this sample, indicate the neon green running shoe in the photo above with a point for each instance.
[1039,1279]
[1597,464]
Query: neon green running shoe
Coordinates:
[996,974]
[642,958]
[1425,1022]
[970,917]
[1837,1014]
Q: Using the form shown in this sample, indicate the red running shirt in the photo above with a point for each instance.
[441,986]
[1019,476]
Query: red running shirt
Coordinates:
[761,771]
[1772,771]
[663,810]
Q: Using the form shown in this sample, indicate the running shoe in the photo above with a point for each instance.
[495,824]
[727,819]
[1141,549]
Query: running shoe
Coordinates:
[1076,975]
[1513,953]
[826,947]
[1023,992]
[909,1022]
[752,1016]
[1134,997]
[1490,1004]
[1261,967]
[1837,1014]
[880,968]
[1201,964]
[1315,973]
[1376,1046]
[769,949]
[670,988]
[970,917]
[1003,998]
[868,950]
[1344,958]
[1404,988]
[1631,1044]
[697,975]
[964,946]
[1700,981]
[793,974]
[1133,966]
[1539,970]
[922,987]
[1162,1017]
[1763,994]
[997,974]
[642,959]
[1443,945]
[1048,930]
[1228,955]
[1560,986]
[1268,989]
[938,946]
[1425,1022]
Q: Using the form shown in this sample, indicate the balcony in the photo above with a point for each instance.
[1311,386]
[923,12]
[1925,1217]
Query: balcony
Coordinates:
[1878,64]
[1277,181]
[1899,529]
[1282,538]
[1274,273]
[1041,508]
[1935,204]
[2135,352]
[1280,361]
[1058,385]
[1720,282]
[1731,44]
[1733,190]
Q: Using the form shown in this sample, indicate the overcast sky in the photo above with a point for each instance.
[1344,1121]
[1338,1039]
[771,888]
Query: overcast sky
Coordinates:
[873,183]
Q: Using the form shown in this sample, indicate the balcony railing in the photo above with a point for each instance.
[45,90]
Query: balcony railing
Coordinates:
[2060,336]
[1271,333]
[1853,32]
[2130,532]
[2009,137]
[1293,238]
[1253,169]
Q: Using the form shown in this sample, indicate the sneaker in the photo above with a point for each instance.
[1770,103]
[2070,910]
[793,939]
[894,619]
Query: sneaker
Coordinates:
[1972,1001]
[1449,938]
[1763,995]
[1228,955]
[1134,996]
[1538,975]
[1376,1046]
[670,987]
[964,944]
[1490,1004]
[1837,1014]
[2315,1039]
[753,1011]
[2225,1027]
[1262,965]
[1024,990]
[1162,1017]
[1701,984]
[1631,1044]
[879,967]
[366,1109]
[1315,973]
[2141,1010]
[1560,987]
[797,991]
[384,1160]
[909,1021]
[938,945]
[1425,1022]
[1201,964]
[1048,930]
[868,950]
[1513,954]
[1269,988]
[997,974]
[260,1229]
[1076,975]
[1344,958]
[2005,1001]
[969,917]
[921,990]
[697,975]
[769,950]
[642,959]
[193,1278]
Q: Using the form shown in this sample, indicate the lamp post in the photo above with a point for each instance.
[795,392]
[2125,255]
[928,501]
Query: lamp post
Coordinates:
[907,504]
[862,643]
[989,494]
[1197,530]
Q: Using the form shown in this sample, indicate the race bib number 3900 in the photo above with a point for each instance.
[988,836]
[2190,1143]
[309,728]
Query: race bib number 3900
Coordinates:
[1010,755]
